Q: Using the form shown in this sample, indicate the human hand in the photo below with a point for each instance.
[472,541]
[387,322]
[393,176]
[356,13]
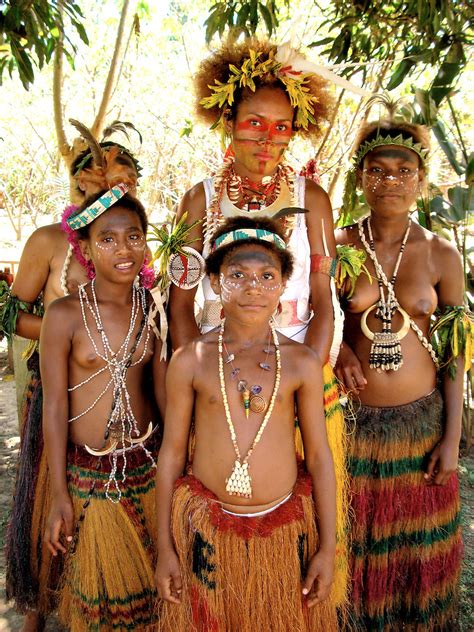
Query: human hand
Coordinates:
[168,577]
[443,462]
[60,521]
[319,577]
[348,369]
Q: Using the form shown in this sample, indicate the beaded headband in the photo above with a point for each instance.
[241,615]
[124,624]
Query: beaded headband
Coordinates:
[102,204]
[244,234]
[380,141]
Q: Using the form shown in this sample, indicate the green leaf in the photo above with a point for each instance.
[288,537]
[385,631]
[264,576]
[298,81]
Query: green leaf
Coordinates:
[470,171]
[401,71]
[267,16]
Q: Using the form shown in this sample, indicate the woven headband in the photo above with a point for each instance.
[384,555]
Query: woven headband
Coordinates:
[244,234]
[399,140]
[102,204]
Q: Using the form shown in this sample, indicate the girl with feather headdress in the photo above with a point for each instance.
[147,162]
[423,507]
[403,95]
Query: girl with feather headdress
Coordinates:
[51,266]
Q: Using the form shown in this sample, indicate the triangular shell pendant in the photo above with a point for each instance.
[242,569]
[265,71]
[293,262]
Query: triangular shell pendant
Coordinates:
[239,483]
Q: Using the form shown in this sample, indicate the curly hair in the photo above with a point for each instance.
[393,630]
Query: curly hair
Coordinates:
[387,127]
[217,257]
[216,68]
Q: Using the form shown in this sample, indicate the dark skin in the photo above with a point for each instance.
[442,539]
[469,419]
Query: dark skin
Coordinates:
[260,134]
[250,285]
[430,276]
[42,262]
[116,244]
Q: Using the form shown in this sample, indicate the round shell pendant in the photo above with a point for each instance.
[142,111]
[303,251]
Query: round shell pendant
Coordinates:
[258,404]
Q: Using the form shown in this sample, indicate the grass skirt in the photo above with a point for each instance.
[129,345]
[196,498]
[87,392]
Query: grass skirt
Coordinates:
[337,438]
[244,574]
[30,575]
[108,580]
[406,538]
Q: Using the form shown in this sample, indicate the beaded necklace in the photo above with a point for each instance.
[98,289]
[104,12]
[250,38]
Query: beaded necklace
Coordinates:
[239,482]
[385,351]
[122,426]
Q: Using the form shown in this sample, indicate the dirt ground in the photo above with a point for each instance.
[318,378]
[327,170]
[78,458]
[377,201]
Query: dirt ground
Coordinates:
[9,441]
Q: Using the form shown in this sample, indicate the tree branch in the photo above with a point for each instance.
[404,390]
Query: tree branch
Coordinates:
[63,145]
[109,84]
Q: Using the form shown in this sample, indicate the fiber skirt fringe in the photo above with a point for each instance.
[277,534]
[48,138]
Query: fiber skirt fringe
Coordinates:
[30,576]
[108,581]
[243,574]
[337,438]
[406,538]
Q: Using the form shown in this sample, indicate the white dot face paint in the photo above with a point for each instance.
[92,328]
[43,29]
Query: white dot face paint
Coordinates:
[109,243]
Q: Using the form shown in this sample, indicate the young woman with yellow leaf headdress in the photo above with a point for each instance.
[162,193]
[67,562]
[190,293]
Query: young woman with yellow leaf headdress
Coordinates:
[259,96]
[406,539]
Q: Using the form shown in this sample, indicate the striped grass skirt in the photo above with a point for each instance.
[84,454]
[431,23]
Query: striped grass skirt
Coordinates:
[406,536]
[108,580]
[31,574]
[243,574]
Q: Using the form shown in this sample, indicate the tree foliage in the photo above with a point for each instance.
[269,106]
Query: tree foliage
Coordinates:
[30,31]
[242,17]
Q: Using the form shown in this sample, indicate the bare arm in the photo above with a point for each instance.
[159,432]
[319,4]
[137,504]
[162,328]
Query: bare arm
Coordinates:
[319,220]
[159,378]
[171,464]
[55,347]
[30,280]
[183,327]
[444,458]
[319,463]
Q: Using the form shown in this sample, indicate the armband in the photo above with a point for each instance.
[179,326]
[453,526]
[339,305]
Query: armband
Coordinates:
[10,306]
[323,264]
[451,337]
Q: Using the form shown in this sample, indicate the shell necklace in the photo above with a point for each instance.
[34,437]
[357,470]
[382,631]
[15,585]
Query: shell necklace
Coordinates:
[239,482]
[385,351]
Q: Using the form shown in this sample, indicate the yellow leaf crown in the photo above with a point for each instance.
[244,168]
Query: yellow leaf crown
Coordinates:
[255,67]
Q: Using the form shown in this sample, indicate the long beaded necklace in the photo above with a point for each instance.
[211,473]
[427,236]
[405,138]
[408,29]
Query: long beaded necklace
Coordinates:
[385,351]
[239,482]
[122,425]
[383,277]
[252,397]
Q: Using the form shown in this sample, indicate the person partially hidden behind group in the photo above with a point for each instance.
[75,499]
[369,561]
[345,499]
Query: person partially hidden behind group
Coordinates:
[406,533]
[246,534]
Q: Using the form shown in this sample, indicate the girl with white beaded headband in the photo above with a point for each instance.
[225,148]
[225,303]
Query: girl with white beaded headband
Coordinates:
[404,448]
[99,362]
[259,96]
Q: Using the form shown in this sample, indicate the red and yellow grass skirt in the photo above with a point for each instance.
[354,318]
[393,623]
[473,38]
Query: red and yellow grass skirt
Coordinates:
[108,581]
[406,537]
[244,573]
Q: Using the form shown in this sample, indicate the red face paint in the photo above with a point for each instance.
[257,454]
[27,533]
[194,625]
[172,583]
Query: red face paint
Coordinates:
[259,127]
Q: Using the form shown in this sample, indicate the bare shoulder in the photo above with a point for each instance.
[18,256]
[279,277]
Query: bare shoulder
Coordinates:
[442,252]
[64,313]
[299,357]
[193,202]
[347,236]
[45,239]
[316,199]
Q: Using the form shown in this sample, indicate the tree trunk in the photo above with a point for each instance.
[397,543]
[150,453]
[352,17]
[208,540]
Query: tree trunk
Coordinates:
[109,84]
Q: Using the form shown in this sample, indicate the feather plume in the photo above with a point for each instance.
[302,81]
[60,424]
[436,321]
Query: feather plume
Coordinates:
[122,127]
[397,109]
[94,146]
